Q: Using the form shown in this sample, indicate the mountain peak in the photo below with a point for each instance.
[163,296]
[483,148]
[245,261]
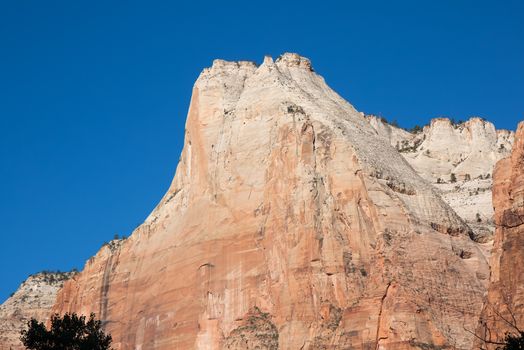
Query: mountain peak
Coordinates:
[291,221]
[284,199]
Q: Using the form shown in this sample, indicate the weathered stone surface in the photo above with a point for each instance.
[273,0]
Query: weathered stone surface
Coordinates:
[458,160]
[257,332]
[33,299]
[289,219]
[505,301]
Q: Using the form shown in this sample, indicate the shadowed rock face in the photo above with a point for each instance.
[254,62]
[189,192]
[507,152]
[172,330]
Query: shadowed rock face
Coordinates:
[290,222]
[505,300]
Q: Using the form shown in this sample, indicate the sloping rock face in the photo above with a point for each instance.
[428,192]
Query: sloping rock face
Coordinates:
[505,301]
[290,223]
[34,299]
[458,160]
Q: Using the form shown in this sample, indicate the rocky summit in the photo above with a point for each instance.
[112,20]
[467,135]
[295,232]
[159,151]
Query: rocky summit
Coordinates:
[296,222]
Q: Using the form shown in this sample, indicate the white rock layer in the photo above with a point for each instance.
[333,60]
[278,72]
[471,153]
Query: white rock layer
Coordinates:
[458,160]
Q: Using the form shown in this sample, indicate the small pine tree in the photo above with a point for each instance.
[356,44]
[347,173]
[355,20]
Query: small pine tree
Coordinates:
[416,129]
[453,178]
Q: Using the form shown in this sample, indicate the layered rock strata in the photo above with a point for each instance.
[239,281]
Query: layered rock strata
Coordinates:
[458,160]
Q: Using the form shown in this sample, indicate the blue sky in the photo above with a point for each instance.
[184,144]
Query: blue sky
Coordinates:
[94,94]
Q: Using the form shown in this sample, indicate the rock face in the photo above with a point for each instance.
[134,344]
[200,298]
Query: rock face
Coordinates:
[505,300]
[33,299]
[458,160]
[290,223]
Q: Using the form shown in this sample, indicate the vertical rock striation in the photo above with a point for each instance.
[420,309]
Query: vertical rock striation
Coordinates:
[289,223]
[504,307]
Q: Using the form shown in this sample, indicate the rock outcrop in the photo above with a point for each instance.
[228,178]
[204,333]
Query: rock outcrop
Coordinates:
[458,160]
[33,299]
[290,221]
[504,307]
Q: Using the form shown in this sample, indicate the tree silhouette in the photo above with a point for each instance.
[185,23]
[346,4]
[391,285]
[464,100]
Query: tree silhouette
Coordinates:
[70,332]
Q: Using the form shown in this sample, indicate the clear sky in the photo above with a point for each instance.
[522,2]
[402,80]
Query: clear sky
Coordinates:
[94,95]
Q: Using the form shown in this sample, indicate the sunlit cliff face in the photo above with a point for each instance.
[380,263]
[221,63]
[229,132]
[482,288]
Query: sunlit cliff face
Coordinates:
[291,222]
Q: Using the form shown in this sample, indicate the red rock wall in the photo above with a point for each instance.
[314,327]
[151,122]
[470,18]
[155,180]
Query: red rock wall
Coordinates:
[504,306]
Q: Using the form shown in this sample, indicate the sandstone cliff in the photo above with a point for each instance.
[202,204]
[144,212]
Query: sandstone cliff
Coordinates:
[458,160]
[33,299]
[504,306]
[290,223]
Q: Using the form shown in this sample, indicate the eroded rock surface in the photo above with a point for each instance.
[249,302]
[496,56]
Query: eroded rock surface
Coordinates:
[504,306]
[458,160]
[33,299]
